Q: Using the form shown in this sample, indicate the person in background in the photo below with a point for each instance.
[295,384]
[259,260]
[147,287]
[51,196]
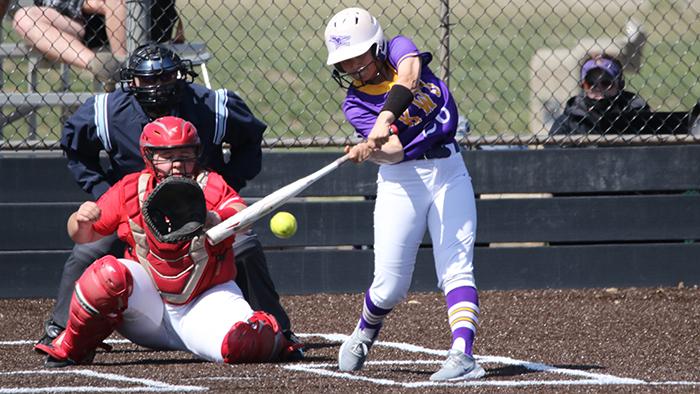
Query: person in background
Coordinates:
[71,31]
[603,106]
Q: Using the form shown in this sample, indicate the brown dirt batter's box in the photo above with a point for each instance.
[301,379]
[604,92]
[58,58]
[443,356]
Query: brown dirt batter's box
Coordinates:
[539,341]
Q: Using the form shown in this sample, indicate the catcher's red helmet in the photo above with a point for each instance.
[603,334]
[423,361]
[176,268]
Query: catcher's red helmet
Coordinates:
[168,132]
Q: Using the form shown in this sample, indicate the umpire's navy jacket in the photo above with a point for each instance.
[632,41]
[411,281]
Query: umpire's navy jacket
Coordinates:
[113,123]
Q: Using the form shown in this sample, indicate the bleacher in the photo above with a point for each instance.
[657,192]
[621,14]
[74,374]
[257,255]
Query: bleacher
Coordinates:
[16,105]
[21,101]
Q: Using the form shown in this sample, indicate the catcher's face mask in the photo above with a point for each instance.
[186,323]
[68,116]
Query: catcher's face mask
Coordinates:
[174,162]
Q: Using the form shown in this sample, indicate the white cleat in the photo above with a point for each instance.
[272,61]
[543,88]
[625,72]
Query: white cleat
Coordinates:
[458,366]
[353,352]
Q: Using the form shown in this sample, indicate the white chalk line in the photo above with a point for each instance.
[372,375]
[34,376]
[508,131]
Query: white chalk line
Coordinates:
[587,378]
[30,342]
[146,385]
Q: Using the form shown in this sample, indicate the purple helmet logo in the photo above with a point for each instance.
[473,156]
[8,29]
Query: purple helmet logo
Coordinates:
[340,41]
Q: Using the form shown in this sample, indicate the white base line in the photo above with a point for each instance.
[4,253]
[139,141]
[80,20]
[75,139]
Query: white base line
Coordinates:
[587,378]
[29,342]
[142,385]
[330,370]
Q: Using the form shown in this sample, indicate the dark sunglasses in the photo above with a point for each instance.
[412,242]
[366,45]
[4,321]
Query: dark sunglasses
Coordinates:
[602,83]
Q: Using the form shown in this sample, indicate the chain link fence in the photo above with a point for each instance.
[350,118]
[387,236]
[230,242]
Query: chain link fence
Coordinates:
[511,65]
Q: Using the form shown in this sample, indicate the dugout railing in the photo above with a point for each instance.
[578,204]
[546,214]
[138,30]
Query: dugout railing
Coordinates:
[547,218]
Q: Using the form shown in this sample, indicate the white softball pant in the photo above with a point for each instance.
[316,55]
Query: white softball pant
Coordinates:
[436,194]
[198,327]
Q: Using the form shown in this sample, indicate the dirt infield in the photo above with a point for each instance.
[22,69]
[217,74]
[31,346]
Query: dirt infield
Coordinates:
[544,341]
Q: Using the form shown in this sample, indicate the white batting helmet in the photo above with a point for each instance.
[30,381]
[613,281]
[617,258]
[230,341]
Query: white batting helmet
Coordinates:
[350,33]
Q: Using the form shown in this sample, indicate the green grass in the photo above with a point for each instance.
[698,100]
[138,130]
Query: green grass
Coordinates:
[273,54]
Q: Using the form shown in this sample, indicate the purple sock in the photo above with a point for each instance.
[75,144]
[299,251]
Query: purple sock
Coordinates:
[372,317]
[463,316]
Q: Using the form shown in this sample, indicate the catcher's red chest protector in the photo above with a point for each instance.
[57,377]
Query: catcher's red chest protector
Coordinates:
[184,269]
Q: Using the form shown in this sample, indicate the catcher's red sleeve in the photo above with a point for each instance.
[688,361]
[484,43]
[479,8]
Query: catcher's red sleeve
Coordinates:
[111,204]
[221,197]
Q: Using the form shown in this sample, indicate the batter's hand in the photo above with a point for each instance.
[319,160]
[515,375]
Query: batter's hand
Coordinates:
[87,214]
[381,131]
[359,152]
[379,136]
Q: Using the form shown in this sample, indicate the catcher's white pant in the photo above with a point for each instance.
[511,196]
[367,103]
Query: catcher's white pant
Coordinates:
[198,326]
[436,194]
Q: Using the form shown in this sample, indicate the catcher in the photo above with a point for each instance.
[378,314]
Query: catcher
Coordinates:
[173,290]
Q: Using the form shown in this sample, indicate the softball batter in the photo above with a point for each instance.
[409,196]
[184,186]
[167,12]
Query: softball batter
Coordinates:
[408,119]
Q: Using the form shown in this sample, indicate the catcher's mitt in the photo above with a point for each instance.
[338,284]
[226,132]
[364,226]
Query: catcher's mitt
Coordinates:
[176,210]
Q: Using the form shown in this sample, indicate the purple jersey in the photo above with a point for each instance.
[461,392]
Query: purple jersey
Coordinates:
[431,120]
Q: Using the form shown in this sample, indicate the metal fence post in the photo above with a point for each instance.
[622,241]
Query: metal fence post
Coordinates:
[445,41]
[2,82]
[138,23]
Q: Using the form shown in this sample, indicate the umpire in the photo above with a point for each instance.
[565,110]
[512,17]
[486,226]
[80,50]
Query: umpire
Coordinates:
[155,83]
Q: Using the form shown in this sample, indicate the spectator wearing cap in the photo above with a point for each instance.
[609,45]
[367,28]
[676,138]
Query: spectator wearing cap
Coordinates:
[603,106]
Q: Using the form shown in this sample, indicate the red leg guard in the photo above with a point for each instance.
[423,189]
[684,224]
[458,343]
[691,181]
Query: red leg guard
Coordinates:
[259,339]
[101,296]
